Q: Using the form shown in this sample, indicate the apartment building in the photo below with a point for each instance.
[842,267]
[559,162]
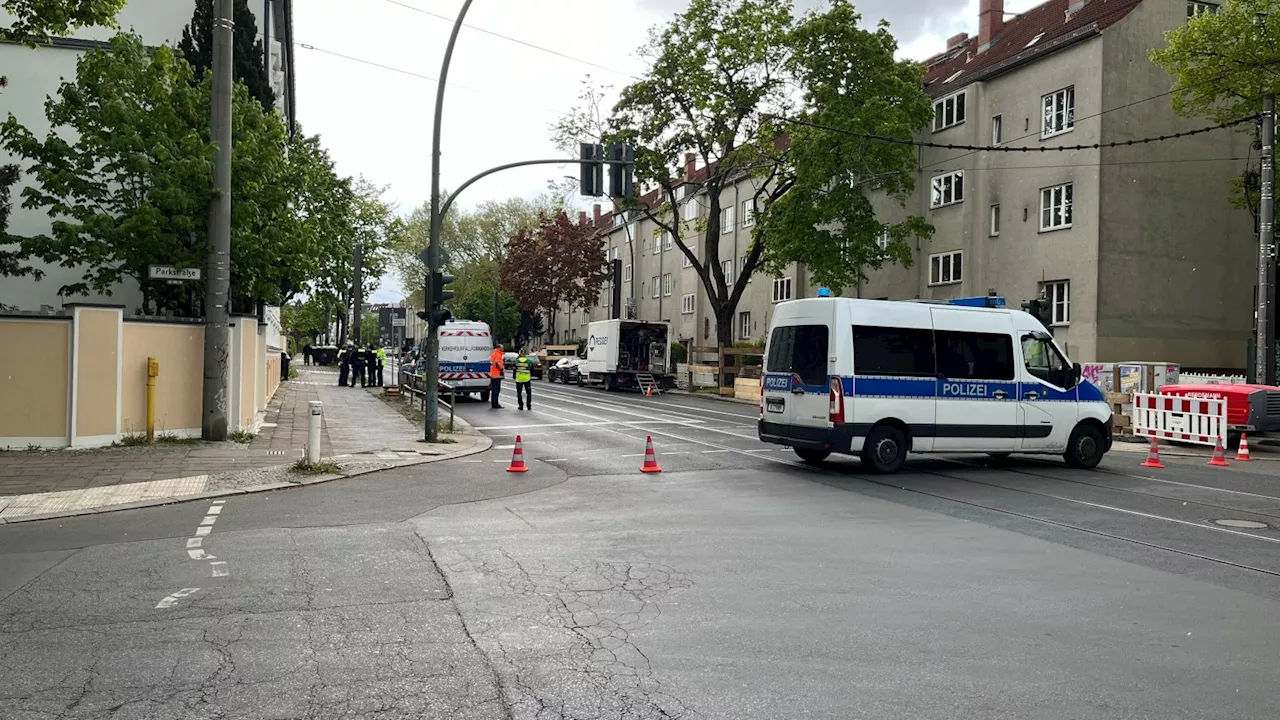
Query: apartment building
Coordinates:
[1137,246]
[36,73]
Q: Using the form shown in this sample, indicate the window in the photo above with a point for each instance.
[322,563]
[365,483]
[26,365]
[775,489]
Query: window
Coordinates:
[726,220]
[893,351]
[1044,361]
[800,350]
[668,241]
[666,285]
[655,286]
[586,317]
[1194,8]
[1055,207]
[974,356]
[883,241]
[657,243]
[946,268]
[626,273]
[948,189]
[995,220]
[726,267]
[997,130]
[948,111]
[1059,112]
[744,326]
[686,304]
[748,213]
[1059,295]
[1033,40]
[690,210]
[781,289]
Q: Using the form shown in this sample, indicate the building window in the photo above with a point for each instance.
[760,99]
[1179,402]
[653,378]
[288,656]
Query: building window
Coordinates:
[686,304]
[748,213]
[948,189]
[690,210]
[658,242]
[626,273]
[948,111]
[1059,112]
[586,317]
[997,130]
[883,241]
[666,285]
[655,286]
[781,289]
[687,262]
[726,267]
[946,268]
[726,220]
[744,326]
[1059,295]
[995,220]
[613,254]
[668,241]
[1055,207]
[1194,8]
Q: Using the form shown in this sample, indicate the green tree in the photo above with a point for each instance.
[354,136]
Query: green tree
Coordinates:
[248,63]
[370,333]
[303,320]
[34,18]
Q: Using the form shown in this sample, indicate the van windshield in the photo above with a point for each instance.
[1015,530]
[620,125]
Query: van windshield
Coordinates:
[800,350]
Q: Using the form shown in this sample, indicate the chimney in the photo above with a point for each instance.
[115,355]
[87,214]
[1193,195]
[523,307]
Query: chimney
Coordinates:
[954,41]
[582,217]
[690,165]
[990,22]
[596,211]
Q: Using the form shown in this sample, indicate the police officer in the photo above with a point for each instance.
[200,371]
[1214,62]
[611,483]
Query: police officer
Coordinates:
[344,365]
[357,366]
[381,356]
[524,384]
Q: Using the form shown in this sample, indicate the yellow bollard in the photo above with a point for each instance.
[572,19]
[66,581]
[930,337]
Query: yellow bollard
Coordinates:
[153,370]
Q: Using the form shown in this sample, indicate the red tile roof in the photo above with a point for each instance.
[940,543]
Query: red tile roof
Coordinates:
[1058,22]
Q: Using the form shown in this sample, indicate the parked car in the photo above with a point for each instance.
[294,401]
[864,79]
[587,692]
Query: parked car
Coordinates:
[565,370]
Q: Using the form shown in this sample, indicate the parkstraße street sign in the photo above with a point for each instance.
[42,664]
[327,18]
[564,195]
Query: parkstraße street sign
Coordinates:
[168,272]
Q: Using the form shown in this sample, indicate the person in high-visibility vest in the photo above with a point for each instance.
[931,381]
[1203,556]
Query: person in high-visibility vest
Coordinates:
[496,366]
[524,384]
[382,361]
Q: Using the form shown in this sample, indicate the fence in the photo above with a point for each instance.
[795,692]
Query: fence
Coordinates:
[1202,379]
[1189,420]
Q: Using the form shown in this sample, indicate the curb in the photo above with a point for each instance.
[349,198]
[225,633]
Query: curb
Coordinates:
[485,442]
[709,396]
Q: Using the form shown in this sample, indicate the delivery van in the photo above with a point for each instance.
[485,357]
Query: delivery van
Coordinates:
[879,379]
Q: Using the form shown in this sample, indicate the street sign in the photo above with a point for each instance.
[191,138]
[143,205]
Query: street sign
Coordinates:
[397,322]
[168,272]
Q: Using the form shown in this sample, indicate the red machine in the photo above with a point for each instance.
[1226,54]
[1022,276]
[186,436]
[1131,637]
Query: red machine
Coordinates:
[1250,408]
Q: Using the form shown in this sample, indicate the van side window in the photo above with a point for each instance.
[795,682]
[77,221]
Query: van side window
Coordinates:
[975,356]
[893,351]
[799,349]
[1045,362]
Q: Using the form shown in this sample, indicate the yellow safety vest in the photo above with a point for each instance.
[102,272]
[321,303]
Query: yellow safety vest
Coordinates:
[523,375]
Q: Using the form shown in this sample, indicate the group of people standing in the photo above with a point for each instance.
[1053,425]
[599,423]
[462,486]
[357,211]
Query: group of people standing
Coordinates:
[523,378]
[363,364]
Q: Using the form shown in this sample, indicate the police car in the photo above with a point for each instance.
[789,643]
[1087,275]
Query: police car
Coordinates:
[879,379]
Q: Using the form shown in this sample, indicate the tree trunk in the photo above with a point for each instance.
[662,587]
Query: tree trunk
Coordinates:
[724,326]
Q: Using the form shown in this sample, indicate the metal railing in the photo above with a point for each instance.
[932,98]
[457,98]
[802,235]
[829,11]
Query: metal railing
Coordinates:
[415,384]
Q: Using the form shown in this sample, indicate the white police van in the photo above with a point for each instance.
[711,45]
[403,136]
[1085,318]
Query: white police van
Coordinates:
[465,346]
[879,378]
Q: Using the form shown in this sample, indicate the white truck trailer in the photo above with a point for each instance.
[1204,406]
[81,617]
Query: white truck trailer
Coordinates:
[628,354]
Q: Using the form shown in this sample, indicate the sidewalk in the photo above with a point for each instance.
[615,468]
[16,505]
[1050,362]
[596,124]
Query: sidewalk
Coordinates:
[361,433]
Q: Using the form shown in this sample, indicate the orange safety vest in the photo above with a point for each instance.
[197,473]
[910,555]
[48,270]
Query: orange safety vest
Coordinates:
[495,364]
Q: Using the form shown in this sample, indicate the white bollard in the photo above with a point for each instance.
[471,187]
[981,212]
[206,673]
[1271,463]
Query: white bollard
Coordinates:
[313,432]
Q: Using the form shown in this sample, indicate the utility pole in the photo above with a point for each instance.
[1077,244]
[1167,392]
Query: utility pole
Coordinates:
[1266,347]
[217,286]
[431,346]
[357,292]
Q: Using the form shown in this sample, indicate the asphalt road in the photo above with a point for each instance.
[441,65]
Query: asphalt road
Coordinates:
[738,583]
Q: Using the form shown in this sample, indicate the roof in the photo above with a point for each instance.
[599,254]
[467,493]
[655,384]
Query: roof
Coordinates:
[1052,26]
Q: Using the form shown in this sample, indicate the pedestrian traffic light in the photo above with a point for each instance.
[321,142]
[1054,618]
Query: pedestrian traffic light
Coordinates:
[1040,309]
[591,177]
[621,171]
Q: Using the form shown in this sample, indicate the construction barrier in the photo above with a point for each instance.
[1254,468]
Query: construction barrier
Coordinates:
[1182,419]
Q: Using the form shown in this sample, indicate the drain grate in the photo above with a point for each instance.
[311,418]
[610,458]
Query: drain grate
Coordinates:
[1242,524]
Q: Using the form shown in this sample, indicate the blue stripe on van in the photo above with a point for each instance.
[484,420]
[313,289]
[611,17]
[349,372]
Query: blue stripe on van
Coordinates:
[457,367]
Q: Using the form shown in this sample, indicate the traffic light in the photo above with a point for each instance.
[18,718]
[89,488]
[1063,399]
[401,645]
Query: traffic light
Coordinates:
[621,184]
[591,177]
[1040,309]
[439,314]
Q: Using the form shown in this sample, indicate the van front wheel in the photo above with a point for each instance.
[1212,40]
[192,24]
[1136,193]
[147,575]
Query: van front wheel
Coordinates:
[1084,450]
[812,456]
[885,451]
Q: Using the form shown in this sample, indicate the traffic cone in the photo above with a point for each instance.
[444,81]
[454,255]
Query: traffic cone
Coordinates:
[650,460]
[1242,454]
[517,458]
[1153,456]
[1219,455]
[648,391]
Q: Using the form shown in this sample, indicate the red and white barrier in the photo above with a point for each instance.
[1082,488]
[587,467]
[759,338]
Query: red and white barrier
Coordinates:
[1184,419]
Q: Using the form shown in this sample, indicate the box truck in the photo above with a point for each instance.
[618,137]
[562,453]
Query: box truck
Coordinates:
[628,354]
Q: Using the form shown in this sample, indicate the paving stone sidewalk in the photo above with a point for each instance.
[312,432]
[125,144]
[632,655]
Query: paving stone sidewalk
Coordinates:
[360,433]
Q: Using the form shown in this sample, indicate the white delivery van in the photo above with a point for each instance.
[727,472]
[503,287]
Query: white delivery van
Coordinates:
[878,379]
[465,347]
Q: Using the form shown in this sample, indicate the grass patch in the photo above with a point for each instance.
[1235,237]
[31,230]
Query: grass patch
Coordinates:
[171,439]
[243,437]
[324,467]
[441,439]
[132,440]
[293,373]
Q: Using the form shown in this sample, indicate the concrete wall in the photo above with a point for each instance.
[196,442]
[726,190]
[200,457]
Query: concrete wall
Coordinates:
[179,349]
[34,376]
[95,399]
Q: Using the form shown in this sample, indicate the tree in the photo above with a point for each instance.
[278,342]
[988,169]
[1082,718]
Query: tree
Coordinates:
[370,332]
[585,122]
[248,59]
[303,320]
[33,18]
[560,264]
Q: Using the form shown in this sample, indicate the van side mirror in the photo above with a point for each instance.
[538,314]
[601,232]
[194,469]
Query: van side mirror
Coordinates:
[1076,372]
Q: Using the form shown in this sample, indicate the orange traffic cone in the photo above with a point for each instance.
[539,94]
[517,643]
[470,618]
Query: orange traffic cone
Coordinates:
[650,460]
[1219,455]
[1242,454]
[1153,456]
[648,391]
[517,458]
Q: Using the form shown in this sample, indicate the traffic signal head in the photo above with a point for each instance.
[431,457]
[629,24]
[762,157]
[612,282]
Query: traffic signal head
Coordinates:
[1040,309]
[591,177]
[438,291]
[621,170]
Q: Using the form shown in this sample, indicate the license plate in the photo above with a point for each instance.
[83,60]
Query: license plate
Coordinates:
[774,405]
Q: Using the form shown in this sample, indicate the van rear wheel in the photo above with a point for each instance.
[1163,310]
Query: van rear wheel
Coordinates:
[885,451]
[1085,448]
[812,456]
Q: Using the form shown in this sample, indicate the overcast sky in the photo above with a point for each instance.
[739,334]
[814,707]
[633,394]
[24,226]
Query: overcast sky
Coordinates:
[502,94]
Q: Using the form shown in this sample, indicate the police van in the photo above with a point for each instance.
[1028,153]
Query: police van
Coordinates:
[465,347]
[879,379]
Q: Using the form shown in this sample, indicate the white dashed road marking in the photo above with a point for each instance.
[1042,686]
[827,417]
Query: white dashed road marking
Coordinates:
[219,569]
[203,530]
[215,510]
[199,554]
[171,600]
[209,520]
